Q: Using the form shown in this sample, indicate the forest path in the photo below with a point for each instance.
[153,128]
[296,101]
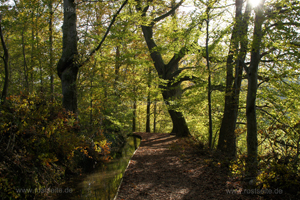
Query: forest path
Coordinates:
[164,168]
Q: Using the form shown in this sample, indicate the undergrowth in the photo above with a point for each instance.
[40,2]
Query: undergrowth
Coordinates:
[274,174]
[40,142]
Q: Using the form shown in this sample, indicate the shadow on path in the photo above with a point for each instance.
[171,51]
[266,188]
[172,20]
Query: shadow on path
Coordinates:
[158,172]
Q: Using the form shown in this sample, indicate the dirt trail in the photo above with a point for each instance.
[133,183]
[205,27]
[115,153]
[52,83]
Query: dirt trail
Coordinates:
[161,169]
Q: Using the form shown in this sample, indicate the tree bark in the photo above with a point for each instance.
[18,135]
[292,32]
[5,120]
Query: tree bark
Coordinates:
[32,63]
[134,110]
[166,71]
[227,138]
[50,6]
[209,83]
[5,59]
[180,128]
[251,162]
[148,103]
[25,67]
[67,67]
[154,116]
[148,113]
[117,69]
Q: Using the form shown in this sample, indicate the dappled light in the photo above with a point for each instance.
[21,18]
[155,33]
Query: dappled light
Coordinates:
[211,87]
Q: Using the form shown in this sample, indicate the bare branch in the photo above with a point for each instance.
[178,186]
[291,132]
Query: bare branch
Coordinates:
[272,116]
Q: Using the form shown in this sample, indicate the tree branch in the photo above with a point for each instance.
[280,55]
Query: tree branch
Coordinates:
[220,88]
[105,35]
[188,88]
[279,9]
[267,52]
[271,115]
[185,78]
[177,72]
[168,13]
[176,58]
[259,77]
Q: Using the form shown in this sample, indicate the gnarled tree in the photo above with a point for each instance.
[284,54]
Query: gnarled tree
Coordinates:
[168,72]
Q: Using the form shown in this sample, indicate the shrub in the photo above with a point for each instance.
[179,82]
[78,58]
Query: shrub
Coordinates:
[39,140]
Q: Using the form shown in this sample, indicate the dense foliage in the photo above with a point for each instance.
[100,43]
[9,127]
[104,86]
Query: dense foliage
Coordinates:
[151,71]
[41,143]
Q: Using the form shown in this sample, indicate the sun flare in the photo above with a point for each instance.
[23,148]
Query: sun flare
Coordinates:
[254,3]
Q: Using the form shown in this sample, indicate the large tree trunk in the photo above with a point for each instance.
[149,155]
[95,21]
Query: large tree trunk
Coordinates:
[180,128]
[67,67]
[167,72]
[227,138]
[251,163]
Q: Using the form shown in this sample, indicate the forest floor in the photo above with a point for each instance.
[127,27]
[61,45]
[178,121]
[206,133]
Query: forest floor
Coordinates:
[165,167]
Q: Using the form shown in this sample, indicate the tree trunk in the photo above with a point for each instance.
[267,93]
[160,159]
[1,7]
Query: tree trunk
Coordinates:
[134,111]
[227,138]
[180,128]
[24,62]
[51,49]
[69,89]
[148,113]
[154,116]
[39,58]
[148,103]
[32,63]
[167,72]
[67,67]
[209,84]
[5,59]
[117,69]
[252,144]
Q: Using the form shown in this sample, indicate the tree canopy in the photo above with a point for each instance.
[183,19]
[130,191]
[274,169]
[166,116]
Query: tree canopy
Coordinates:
[223,72]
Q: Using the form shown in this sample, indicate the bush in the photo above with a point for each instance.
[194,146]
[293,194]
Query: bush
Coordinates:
[280,173]
[274,173]
[39,142]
